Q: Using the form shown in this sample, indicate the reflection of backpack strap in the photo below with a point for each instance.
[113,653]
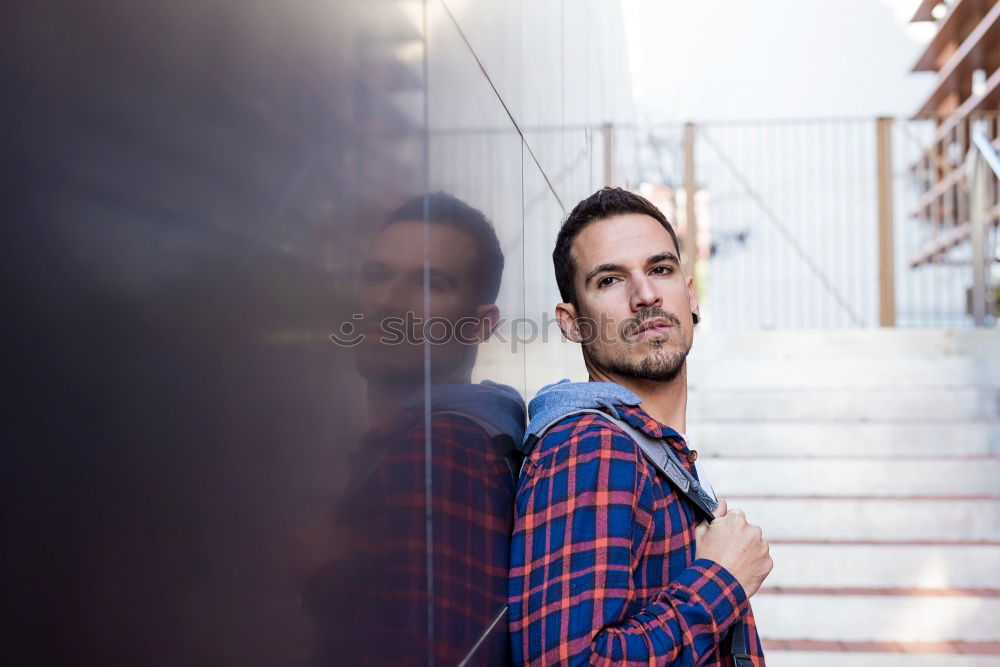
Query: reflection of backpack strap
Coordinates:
[665,460]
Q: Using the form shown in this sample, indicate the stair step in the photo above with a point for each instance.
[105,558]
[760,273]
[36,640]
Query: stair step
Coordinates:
[846,344]
[886,565]
[882,591]
[846,477]
[948,404]
[833,373]
[879,519]
[880,618]
[839,438]
[871,459]
[878,654]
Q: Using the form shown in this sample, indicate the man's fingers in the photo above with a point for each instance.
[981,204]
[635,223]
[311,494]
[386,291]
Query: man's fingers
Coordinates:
[700,530]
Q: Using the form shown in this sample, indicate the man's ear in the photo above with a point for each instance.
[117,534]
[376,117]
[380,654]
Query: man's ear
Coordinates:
[693,300]
[566,316]
[489,317]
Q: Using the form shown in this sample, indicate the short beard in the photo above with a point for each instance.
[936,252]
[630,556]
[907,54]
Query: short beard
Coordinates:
[660,366]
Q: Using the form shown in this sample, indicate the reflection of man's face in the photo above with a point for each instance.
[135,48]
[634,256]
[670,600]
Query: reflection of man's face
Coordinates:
[629,281]
[392,284]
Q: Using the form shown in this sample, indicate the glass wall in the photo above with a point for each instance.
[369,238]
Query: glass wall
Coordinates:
[254,253]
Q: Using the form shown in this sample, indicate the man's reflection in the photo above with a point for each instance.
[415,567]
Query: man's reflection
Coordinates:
[425,523]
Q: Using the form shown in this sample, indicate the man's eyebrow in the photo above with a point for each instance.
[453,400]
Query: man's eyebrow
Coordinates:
[601,268]
[663,257]
[440,273]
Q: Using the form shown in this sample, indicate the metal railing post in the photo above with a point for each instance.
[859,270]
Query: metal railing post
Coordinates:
[982,165]
[976,169]
[886,250]
[609,153]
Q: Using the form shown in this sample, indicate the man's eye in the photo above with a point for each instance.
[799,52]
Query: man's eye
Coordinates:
[605,281]
[663,270]
[438,284]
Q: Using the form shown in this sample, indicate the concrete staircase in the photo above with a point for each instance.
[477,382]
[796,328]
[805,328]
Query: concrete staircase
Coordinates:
[872,461]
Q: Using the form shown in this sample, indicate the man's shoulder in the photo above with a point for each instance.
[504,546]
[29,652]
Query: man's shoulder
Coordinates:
[584,431]
[590,449]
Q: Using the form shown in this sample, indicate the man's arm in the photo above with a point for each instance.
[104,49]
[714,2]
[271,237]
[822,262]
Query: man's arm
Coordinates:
[584,515]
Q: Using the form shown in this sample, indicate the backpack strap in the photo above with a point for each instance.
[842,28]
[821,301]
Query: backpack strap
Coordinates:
[738,648]
[665,460]
[658,453]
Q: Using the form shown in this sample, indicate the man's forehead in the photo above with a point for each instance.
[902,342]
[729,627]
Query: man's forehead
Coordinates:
[631,236]
[403,242]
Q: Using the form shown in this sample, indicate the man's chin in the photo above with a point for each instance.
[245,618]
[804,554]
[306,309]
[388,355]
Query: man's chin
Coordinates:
[659,372]
[383,368]
[659,365]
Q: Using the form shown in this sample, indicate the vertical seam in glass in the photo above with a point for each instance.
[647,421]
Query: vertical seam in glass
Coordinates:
[428,470]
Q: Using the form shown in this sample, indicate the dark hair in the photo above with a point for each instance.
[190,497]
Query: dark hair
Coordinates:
[605,203]
[445,209]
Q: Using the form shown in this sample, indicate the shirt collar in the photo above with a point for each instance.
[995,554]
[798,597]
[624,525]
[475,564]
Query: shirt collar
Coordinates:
[638,418]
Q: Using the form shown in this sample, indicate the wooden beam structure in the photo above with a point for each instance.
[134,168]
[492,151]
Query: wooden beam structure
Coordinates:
[886,251]
[978,51]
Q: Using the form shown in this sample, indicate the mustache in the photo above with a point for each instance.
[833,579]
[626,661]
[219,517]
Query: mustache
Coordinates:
[646,314]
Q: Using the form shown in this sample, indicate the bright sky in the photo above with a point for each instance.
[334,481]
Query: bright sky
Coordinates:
[757,59]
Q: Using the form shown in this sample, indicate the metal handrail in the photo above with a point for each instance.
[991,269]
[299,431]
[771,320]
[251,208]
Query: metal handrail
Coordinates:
[987,150]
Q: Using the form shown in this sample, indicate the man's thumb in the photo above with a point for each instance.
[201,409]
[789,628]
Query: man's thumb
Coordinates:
[722,508]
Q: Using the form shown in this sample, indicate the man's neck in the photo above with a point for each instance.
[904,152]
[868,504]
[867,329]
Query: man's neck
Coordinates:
[666,402]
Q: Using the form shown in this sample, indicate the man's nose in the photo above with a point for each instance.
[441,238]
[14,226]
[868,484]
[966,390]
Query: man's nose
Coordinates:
[644,294]
[383,296]
[380,297]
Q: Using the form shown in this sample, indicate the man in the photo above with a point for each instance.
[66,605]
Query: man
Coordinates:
[610,562]
[426,519]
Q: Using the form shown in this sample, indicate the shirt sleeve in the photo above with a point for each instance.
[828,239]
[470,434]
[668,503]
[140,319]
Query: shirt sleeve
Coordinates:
[583,520]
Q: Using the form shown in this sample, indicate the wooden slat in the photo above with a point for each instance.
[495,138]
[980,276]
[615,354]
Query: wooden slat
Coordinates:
[886,248]
[943,187]
[923,12]
[950,239]
[989,98]
[939,189]
[953,27]
[981,43]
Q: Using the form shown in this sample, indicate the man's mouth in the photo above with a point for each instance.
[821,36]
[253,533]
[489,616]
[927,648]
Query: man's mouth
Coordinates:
[656,326]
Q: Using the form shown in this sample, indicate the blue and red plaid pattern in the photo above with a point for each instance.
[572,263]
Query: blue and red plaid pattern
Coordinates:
[602,557]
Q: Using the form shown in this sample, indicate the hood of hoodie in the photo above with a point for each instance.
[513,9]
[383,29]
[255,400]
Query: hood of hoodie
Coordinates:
[499,405]
[561,398]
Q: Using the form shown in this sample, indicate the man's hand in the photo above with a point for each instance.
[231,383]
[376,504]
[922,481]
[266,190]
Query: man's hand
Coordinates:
[736,545]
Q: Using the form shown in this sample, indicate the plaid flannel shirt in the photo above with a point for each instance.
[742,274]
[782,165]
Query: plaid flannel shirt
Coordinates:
[602,557]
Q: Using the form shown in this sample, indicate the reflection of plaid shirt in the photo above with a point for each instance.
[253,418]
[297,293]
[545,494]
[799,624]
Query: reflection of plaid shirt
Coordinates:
[602,557]
[372,607]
